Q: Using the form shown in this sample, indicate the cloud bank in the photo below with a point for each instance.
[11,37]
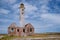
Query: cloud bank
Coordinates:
[44,15]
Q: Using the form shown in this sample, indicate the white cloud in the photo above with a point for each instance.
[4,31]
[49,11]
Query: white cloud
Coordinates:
[2,29]
[54,18]
[26,16]
[15,6]
[45,15]
[44,1]
[4,11]
[30,8]
[9,1]
[44,8]
[5,20]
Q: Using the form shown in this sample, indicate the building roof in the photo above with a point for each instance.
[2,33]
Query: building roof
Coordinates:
[29,25]
[13,25]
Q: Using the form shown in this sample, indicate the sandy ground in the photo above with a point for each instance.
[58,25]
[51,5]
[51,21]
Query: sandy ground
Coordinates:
[45,38]
[1,36]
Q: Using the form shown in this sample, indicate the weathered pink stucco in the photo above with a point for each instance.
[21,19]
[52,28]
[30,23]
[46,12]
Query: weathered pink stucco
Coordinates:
[14,30]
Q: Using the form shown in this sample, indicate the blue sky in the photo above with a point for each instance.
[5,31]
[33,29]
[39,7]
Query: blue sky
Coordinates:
[44,15]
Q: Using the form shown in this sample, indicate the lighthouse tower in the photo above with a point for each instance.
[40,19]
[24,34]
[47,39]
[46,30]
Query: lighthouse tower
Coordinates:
[22,23]
[24,30]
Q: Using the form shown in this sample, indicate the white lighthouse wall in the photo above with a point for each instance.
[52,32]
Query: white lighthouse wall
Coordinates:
[22,22]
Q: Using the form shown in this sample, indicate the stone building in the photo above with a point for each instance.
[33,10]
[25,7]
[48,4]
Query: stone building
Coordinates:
[24,29]
[14,30]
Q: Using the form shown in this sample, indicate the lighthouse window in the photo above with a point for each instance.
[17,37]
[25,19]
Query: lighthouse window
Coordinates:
[22,13]
[22,4]
[24,30]
[22,9]
[30,29]
[17,30]
[12,29]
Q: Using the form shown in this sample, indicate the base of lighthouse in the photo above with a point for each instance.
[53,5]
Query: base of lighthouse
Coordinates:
[14,30]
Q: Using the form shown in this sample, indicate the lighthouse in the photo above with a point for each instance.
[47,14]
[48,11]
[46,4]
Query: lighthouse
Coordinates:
[23,29]
[22,22]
